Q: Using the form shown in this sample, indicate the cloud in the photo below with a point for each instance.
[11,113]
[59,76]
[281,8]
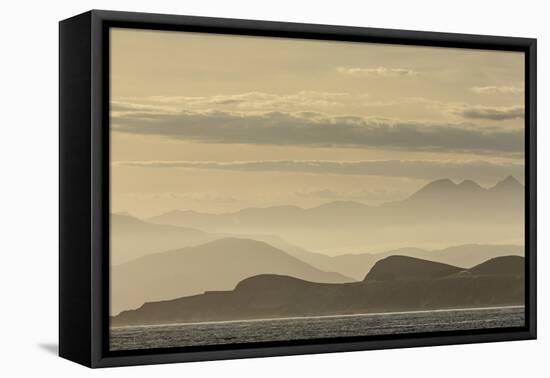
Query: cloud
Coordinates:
[122,107]
[254,101]
[505,89]
[319,130]
[415,169]
[492,113]
[376,71]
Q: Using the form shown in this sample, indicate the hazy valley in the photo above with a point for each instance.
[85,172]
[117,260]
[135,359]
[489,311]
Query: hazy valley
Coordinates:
[153,262]
[442,213]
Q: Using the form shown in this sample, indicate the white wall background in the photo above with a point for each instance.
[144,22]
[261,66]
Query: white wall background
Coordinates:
[28,207]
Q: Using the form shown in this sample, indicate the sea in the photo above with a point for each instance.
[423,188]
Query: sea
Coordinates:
[312,327]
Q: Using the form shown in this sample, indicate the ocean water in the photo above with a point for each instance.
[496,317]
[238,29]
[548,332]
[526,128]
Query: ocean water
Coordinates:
[303,328]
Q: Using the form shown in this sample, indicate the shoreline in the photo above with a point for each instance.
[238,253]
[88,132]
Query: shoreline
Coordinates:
[317,317]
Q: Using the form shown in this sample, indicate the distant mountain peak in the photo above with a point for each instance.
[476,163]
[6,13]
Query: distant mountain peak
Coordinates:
[446,189]
[509,183]
[437,187]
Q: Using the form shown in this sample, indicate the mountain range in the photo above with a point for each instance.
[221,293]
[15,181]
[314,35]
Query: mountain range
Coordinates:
[354,265]
[440,213]
[216,265]
[157,261]
[220,264]
[395,283]
[133,238]
[143,270]
[441,200]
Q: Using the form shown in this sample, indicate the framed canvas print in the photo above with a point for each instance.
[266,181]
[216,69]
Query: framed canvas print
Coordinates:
[234,188]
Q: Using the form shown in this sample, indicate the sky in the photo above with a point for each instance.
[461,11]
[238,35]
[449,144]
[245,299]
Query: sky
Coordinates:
[217,123]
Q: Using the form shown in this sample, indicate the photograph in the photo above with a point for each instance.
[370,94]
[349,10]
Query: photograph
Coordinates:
[276,189]
[266,189]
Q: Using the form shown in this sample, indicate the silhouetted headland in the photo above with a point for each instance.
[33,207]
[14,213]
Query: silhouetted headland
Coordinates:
[396,283]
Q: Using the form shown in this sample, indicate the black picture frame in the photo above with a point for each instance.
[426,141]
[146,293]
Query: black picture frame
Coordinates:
[84,189]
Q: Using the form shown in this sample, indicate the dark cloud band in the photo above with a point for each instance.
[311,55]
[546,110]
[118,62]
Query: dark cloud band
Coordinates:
[493,114]
[314,130]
